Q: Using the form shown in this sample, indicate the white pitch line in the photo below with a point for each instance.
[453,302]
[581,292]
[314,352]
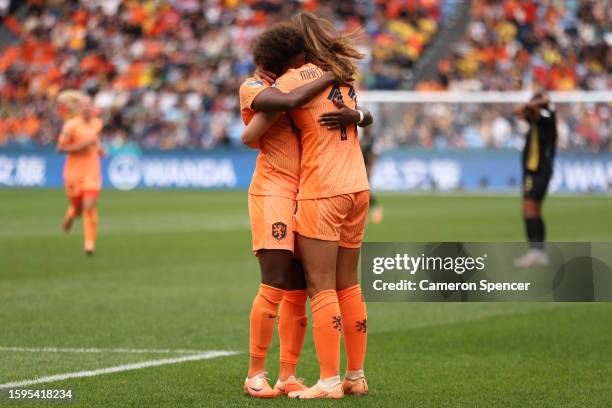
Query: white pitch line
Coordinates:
[126,367]
[97,350]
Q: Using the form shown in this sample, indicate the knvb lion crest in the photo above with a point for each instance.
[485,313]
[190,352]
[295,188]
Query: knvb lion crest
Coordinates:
[337,322]
[362,326]
[279,230]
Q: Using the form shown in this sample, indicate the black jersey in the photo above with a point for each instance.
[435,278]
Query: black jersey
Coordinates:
[368,148]
[541,141]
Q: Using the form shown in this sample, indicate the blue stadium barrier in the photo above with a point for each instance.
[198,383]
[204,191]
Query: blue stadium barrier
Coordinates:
[397,170]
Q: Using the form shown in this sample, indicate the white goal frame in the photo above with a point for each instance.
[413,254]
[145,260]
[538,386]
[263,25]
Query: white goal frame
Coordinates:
[480,97]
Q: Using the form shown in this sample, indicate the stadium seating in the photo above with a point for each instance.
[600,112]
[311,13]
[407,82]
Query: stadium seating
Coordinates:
[166,76]
[511,44]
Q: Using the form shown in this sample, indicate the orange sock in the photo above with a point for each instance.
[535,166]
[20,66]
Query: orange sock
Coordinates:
[263,315]
[90,227]
[354,326]
[326,328]
[292,322]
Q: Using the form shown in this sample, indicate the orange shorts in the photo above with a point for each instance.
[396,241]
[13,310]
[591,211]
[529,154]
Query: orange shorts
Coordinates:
[76,187]
[340,218]
[272,222]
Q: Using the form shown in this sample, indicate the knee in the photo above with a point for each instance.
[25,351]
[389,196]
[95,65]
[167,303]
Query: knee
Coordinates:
[275,269]
[312,291]
[346,282]
[531,209]
[317,283]
[275,281]
[296,285]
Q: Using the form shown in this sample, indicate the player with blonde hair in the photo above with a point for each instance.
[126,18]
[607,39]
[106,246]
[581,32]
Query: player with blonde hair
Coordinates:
[79,140]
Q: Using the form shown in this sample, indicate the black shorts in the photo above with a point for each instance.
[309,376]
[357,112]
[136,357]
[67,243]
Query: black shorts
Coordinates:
[535,185]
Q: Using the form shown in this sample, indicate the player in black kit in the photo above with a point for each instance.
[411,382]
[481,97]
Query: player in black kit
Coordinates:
[538,159]
[370,155]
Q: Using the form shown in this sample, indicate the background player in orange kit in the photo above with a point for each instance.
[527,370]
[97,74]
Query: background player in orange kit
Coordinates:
[271,206]
[82,178]
[332,210]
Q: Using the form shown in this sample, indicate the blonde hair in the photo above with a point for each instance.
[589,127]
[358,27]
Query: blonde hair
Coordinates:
[71,99]
[327,48]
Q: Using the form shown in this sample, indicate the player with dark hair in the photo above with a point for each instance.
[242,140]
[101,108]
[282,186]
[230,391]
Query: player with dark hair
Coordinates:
[370,155]
[272,195]
[271,206]
[537,162]
[320,35]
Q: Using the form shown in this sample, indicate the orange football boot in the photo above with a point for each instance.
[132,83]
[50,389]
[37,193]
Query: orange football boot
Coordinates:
[318,391]
[257,386]
[291,384]
[358,386]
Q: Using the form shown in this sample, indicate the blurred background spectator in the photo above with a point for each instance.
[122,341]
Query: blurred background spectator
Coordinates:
[165,73]
[511,44]
[581,126]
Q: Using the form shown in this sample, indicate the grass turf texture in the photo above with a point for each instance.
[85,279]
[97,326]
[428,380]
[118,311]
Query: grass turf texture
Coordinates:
[174,270]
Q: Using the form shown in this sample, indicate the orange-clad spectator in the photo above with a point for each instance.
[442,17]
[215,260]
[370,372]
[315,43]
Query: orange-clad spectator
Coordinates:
[171,67]
[167,20]
[9,56]
[512,8]
[12,24]
[4,131]
[136,76]
[530,8]
[311,5]
[533,42]
[137,13]
[13,125]
[153,48]
[30,125]
[80,17]
[487,56]
[77,34]
[91,62]
[37,52]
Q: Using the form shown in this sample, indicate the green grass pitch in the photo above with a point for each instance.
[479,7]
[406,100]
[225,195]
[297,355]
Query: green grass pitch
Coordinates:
[174,271]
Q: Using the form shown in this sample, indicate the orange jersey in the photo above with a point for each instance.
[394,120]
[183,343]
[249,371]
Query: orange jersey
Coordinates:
[278,163]
[84,164]
[332,163]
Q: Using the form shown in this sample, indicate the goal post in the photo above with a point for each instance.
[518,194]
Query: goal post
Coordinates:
[481,97]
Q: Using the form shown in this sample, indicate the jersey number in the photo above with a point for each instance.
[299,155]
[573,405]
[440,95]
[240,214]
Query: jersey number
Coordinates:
[335,94]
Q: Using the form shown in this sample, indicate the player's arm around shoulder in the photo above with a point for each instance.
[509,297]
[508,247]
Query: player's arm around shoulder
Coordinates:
[345,116]
[291,92]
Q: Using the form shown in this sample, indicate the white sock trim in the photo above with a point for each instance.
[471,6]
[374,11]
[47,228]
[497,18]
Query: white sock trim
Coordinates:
[329,382]
[354,375]
[291,377]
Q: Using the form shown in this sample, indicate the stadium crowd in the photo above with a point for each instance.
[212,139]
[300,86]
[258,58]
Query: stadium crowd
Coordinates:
[165,73]
[510,44]
[581,127]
